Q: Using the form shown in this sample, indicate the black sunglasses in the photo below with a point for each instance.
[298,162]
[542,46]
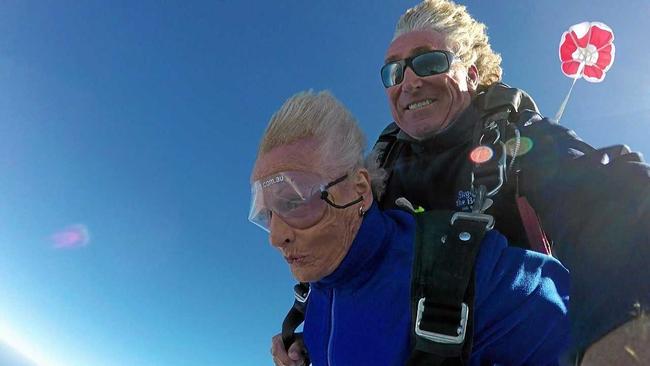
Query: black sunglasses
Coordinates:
[424,64]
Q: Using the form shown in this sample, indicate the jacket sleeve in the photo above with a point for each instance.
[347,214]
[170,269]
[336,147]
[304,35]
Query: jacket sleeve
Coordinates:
[521,303]
[596,210]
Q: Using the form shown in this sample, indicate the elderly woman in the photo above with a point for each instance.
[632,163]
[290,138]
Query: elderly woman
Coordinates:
[312,193]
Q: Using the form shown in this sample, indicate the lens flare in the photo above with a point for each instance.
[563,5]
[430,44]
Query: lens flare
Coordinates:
[481,154]
[525,145]
[73,236]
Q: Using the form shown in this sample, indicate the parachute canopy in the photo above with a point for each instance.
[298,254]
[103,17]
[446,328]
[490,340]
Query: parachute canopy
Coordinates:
[587,50]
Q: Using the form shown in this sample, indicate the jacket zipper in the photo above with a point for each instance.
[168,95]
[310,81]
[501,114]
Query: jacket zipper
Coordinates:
[331,337]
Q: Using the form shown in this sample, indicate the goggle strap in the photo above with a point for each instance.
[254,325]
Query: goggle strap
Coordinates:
[324,195]
[334,182]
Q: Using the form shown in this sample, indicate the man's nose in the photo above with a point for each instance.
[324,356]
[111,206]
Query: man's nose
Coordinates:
[411,81]
[281,234]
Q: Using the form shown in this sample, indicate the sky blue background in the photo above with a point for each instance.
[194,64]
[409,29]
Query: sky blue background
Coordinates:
[140,120]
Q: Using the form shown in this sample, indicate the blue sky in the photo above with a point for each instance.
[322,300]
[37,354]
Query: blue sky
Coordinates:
[133,126]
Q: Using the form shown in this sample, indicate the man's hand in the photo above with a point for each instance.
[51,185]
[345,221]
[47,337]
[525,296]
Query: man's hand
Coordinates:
[295,356]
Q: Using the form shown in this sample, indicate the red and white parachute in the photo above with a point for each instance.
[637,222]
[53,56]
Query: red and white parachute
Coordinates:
[586,51]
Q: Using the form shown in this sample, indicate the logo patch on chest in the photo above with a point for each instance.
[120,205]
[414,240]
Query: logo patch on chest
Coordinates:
[465,200]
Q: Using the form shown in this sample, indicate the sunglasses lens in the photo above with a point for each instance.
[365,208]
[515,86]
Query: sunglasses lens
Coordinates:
[430,63]
[391,74]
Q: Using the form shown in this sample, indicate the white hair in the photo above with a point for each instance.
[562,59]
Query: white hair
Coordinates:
[307,114]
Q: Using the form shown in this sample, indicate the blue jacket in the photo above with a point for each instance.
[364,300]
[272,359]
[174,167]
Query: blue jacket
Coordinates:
[360,314]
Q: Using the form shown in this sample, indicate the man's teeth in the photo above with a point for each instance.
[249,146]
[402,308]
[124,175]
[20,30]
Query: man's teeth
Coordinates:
[419,105]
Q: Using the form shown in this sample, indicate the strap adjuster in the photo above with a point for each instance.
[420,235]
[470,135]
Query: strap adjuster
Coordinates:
[440,337]
[300,293]
[474,216]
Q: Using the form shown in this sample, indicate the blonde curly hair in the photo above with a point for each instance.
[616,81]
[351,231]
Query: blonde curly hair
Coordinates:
[466,37]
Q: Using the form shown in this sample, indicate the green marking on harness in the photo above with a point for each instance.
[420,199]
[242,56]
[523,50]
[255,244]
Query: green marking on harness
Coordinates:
[420,209]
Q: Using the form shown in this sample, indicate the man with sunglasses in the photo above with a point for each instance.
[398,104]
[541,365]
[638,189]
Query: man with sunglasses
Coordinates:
[442,83]
[541,183]
[427,86]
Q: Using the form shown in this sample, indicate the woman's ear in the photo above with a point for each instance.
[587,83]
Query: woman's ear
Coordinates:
[363,187]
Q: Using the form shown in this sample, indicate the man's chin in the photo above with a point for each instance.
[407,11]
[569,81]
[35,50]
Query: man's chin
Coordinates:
[421,131]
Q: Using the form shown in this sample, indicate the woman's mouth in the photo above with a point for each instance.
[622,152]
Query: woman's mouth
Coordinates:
[296,259]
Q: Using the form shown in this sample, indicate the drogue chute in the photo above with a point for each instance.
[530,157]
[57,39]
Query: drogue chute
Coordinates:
[586,51]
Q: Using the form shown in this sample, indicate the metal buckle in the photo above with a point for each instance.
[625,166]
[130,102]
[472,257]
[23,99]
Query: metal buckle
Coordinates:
[495,130]
[474,216]
[300,296]
[439,337]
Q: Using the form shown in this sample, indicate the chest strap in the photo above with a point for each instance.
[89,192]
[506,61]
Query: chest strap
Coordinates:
[442,290]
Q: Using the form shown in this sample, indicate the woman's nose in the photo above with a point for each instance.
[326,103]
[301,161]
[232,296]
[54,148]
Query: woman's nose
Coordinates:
[281,234]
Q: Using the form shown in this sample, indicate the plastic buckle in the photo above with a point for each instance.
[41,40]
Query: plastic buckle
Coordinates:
[474,216]
[439,337]
[299,293]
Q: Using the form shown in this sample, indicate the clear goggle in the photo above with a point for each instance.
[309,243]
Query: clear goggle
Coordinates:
[299,198]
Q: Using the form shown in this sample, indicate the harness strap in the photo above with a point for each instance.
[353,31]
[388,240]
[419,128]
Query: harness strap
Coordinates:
[500,104]
[536,237]
[500,95]
[296,314]
[386,150]
[442,293]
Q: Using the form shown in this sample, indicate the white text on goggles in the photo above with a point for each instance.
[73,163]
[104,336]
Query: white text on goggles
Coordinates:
[299,198]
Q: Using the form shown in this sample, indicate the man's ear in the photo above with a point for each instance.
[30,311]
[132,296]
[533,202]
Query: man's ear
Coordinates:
[472,78]
[363,187]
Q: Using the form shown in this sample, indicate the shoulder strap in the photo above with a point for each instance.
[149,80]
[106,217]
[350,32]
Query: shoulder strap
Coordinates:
[386,149]
[501,108]
[296,314]
[500,96]
[385,143]
[500,105]
[442,289]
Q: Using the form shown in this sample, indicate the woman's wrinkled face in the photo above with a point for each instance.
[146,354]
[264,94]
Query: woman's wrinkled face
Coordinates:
[316,251]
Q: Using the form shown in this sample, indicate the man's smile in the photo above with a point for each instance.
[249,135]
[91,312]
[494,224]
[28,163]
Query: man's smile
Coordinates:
[420,104]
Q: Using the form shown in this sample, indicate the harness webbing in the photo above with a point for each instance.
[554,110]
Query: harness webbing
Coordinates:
[536,237]
[296,314]
[442,293]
